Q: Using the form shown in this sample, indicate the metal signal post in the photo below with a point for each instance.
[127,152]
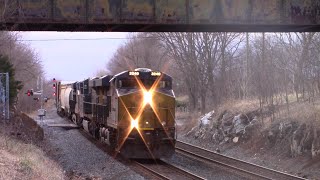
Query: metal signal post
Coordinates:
[41,111]
[4,95]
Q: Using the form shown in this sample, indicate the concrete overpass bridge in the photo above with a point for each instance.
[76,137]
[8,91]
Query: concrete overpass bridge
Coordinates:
[160,15]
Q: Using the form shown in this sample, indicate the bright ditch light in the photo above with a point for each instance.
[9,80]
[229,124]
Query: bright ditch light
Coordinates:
[147,97]
[134,123]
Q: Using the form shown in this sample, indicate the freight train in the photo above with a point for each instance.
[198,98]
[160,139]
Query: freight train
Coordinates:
[133,112]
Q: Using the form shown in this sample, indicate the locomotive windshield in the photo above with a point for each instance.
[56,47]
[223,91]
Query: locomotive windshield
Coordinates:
[132,84]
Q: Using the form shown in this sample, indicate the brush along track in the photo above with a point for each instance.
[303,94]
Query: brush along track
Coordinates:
[232,163]
[163,170]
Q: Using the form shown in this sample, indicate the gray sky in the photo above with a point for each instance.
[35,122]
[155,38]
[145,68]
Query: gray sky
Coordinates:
[73,60]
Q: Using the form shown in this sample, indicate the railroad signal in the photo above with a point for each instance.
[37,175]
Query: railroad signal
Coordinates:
[30,92]
[54,86]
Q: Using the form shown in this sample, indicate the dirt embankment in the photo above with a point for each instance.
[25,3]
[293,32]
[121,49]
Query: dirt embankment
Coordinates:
[21,151]
[284,140]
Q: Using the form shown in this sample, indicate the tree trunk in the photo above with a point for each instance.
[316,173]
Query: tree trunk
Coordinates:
[247,67]
[203,103]
[318,82]
[286,89]
[223,76]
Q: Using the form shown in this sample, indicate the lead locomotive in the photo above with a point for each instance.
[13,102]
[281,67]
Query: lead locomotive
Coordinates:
[133,111]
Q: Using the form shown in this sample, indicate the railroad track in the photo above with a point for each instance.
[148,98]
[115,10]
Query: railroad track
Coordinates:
[163,170]
[232,163]
[158,169]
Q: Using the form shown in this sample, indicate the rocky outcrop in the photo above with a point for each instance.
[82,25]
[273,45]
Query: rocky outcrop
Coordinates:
[315,147]
[289,137]
[227,127]
[301,140]
[251,129]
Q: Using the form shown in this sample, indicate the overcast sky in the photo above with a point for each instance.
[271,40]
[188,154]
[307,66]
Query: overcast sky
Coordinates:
[73,60]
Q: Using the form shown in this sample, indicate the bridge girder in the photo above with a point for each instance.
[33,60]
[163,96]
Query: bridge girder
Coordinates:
[160,15]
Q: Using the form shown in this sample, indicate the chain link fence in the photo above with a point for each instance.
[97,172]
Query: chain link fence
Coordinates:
[4,96]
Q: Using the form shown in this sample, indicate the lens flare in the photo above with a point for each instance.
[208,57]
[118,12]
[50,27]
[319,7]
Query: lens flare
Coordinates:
[147,97]
[134,123]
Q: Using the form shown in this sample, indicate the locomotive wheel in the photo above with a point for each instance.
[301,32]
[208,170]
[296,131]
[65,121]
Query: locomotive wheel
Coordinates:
[113,141]
[74,118]
[97,134]
[79,121]
[94,130]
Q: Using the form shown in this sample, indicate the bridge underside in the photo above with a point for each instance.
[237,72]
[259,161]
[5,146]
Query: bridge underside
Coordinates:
[157,28]
[160,15]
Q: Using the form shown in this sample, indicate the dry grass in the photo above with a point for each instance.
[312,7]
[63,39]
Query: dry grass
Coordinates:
[182,115]
[302,112]
[25,161]
[189,120]
[237,106]
[182,98]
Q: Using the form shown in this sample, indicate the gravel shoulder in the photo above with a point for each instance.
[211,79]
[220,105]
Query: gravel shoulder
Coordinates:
[80,158]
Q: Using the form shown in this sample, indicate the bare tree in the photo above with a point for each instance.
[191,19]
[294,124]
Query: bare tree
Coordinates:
[211,68]
[26,63]
[141,50]
[201,56]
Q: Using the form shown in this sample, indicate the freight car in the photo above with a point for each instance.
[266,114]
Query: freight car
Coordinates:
[133,111]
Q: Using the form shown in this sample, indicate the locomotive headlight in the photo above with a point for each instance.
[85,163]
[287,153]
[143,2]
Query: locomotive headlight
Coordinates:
[147,97]
[134,123]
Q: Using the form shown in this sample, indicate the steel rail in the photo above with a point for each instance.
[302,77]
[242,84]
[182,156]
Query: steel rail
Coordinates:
[239,165]
[158,164]
[170,171]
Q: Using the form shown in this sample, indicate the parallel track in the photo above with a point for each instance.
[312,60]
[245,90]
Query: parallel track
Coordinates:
[163,170]
[232,163]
